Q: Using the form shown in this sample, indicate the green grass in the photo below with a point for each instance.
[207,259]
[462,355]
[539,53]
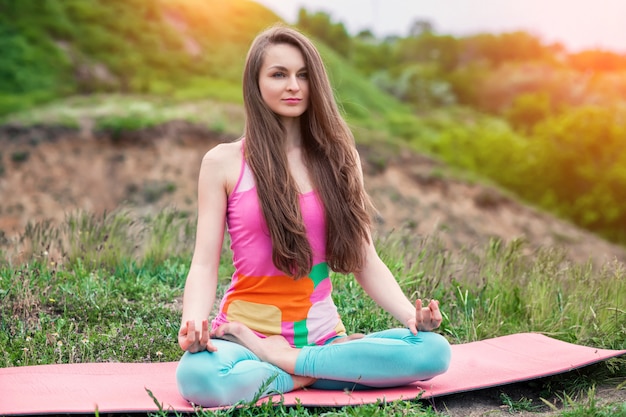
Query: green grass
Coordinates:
[108,288]
[119,113]
[588,405]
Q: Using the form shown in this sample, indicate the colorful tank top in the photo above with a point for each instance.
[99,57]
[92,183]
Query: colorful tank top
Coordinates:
[260,295]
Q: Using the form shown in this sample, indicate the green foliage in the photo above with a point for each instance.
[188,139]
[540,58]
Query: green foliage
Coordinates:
[370,55]
[115,125]
[122,46]
[217,88]
[591,407]
[26,67]
[527,110]
[442,51]
[169,229]
[417,84]
[119,114]
[480,144]
[41,15]
[31,70]
[320,26]
[579,158]
[523,404]
[467,82]
[363,104]
[505,47]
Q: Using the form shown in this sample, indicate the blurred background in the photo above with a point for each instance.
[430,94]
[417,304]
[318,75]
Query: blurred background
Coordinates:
[111,103]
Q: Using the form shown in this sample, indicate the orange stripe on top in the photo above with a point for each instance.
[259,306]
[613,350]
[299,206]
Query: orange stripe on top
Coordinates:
[291,296]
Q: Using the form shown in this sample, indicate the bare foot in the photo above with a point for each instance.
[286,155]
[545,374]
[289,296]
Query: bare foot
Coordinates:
[273,349]
[242,335]
[348,338]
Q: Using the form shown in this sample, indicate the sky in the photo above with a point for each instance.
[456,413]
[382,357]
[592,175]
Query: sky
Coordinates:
[577,24]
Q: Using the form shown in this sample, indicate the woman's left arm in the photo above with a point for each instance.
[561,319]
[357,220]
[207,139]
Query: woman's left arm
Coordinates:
[380,284]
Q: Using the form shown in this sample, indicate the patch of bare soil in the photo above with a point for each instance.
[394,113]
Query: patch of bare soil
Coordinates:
[521,400]
[46,172]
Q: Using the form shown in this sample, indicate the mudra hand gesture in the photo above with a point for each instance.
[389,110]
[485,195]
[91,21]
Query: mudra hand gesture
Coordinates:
[426,318]
[193,340]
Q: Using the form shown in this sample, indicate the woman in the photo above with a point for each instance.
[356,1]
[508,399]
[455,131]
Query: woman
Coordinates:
[291,195]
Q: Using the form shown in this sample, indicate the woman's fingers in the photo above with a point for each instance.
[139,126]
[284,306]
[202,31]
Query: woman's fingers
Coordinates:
[415,323]
[191,332]
[204,335]
[182,332]
[183,336]
[435,313]
[427,318]
[418,312]
[205,338]
[192,340]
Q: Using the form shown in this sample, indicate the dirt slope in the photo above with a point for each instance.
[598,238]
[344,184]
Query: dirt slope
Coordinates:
[47,172]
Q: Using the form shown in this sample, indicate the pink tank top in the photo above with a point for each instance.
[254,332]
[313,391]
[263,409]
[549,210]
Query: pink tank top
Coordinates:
[261,296]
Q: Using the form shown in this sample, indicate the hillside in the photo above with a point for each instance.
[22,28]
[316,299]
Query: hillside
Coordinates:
[174,49]
[49,171]
[545,124]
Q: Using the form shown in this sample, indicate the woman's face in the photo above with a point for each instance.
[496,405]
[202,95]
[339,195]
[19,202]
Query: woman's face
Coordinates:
[283,81]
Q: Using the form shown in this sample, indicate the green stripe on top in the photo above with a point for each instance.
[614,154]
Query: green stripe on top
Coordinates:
[319,273]
[301,333]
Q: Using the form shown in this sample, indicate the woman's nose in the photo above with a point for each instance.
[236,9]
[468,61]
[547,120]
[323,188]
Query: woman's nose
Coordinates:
[293,85]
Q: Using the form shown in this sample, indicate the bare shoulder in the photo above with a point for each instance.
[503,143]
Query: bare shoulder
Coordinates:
[223,163]
[224,153]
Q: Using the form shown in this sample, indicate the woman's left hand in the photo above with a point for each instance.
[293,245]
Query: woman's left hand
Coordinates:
[426,318]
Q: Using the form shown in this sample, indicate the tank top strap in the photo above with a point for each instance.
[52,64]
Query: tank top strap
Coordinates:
[245,181]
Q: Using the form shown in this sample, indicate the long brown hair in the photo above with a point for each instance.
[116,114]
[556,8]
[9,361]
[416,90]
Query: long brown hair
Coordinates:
[329,154]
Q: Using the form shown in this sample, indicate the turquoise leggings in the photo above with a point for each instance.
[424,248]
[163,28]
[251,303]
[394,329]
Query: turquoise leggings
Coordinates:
[383,359]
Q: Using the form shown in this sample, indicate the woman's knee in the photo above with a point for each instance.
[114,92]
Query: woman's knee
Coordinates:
[428,354]
[228,376]
[197,382]
[191,375]
[438,352]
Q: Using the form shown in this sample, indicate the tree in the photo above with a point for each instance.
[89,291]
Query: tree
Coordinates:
[498,49]
[421,27]
[320,26]
[597,61]
[527,110]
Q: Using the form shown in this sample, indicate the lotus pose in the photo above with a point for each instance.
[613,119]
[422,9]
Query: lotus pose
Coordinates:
[290,193]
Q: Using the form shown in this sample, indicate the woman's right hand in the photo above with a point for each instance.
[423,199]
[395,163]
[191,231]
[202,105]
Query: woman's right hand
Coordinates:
[194,341]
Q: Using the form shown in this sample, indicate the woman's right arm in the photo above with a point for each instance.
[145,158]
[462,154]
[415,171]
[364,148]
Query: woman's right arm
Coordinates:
[201,284]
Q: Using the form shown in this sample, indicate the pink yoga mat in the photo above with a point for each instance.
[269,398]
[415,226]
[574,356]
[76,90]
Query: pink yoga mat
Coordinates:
[122,387]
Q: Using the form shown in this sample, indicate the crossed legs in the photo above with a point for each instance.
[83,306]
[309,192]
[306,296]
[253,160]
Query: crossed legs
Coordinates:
[238,370]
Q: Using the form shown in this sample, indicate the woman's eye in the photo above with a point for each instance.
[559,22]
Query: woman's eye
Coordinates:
[278,75]
[303,75]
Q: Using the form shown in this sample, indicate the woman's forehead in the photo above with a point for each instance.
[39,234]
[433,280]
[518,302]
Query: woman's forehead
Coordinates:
[283,55]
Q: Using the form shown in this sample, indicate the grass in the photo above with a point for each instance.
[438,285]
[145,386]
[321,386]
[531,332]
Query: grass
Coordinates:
[108,288]
[118,113]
